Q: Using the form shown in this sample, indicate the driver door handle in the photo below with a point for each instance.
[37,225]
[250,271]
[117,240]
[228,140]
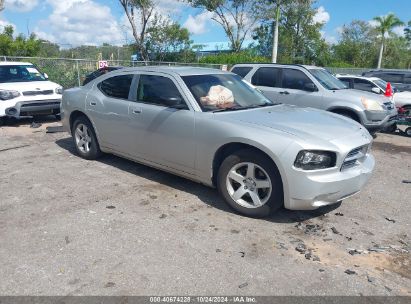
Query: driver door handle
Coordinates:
[93,103]
[285,92]
[136,111]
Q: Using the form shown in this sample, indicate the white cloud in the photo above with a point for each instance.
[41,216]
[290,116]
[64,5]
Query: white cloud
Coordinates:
[4,23]
[77,22]
[198,24]
[21,5]
[321,16]
[373,23]
[330,39]
[399,30]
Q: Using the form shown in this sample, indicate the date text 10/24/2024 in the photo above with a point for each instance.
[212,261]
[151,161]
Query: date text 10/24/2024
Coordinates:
[202,299]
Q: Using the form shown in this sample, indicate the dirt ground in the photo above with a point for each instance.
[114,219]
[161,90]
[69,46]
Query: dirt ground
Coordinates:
[113,227]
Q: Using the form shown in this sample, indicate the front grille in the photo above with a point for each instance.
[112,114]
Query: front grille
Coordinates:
[39,104]
[38,92]
[354,157]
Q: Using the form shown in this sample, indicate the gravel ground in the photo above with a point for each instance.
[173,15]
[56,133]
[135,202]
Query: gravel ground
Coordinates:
[113,227]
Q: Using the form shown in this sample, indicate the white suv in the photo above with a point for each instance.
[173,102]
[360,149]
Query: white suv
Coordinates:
[25,91]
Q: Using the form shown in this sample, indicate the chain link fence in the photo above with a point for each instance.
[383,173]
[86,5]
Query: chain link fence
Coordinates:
[71,72]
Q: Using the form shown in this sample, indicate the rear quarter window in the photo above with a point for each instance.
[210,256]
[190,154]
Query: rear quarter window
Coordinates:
[241,71]
[117,86]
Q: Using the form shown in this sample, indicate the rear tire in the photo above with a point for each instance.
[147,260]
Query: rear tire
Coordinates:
[408,131]
[250,183]
[85,139]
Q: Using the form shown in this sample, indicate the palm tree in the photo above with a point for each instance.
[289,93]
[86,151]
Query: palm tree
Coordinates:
[385,26]
[275,37]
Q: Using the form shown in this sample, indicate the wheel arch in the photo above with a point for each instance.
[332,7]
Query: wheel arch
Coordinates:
[79,113]
[229,148]
[340,109]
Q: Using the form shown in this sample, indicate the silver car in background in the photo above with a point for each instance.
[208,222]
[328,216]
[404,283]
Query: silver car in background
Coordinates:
[311,86]
[212,127]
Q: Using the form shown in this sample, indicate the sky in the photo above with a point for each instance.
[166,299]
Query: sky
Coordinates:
[75,22]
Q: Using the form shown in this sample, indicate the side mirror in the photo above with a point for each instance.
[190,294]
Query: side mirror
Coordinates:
[46,76]
[176,103]
[310,87]
[376,90]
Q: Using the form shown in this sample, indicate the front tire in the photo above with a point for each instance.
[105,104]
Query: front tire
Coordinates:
[250,183]
[85,139]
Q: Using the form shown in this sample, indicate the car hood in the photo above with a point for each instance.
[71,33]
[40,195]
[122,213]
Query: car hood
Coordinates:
[403,95]
[29,86]
[357,95]
[305,123]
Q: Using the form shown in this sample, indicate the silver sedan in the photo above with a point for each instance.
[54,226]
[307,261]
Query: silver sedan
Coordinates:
[214,128]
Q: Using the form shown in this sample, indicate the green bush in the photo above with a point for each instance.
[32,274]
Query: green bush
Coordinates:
[233,58]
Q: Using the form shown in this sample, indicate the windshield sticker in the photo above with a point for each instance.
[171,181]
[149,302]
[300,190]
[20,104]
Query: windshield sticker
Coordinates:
[33,71]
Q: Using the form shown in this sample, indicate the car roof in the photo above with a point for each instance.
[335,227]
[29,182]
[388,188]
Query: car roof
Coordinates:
[176,70]
[253,64]
[14,63]
[357,76]
[389,71]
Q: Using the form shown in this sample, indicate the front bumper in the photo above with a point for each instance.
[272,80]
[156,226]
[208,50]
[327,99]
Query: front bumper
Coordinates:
[36,107]
[311,190]
[377,120]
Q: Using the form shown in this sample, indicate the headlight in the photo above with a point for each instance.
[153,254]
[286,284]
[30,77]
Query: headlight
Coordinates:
[8,94]
[313,160]
[59,90]
[371,105]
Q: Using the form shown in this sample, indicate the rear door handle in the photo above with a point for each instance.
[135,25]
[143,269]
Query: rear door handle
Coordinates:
[93,103]
[136,111]
[285,92]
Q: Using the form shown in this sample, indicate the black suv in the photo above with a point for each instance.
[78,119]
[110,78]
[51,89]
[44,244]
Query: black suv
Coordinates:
[400,79]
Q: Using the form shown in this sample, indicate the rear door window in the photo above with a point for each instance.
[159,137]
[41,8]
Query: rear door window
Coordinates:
[241,71]
[295,79]
[266,77]
[363,85]
[392,77]
[117,86]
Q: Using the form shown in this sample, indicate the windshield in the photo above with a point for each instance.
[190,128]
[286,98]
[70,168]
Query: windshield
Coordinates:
[327,79]
[216,92]
[20,73]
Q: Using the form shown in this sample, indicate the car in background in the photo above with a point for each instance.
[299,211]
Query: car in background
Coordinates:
[100,72]
[399,78]
[311,86]
[25,91]
[402,99]
[211,127]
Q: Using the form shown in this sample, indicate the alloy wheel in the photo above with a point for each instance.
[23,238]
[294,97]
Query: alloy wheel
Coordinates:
[249,185]
[83,138]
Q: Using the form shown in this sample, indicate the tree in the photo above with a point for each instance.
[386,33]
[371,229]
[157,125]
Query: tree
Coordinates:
[385,26]
[237,17]
[165,36]
[356,46]
[299,36]
[19,46]
[139,24]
